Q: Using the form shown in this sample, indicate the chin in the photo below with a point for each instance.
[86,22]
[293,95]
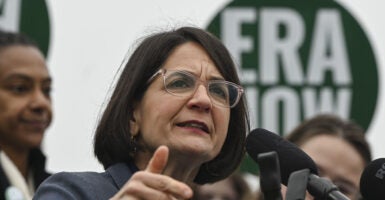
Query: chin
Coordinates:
[199,151]
[33,143]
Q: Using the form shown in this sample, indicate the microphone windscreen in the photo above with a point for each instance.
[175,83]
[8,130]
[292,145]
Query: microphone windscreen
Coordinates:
[372,183]
[291,158]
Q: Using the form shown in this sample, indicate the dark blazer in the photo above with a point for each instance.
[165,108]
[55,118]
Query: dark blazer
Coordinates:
[37,164]
[85,185]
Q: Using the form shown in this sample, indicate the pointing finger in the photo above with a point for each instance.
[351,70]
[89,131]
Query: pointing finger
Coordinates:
[158,161]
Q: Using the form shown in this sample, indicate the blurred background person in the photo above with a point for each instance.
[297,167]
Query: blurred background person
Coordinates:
[338,147]
[232,188]
[25,114]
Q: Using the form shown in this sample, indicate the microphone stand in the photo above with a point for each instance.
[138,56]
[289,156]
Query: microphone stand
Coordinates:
[297,184]
[270,175]
[319,188]
[324,189]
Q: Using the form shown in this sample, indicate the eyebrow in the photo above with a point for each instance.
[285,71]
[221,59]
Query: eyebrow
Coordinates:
[26,78]
[338,179]
[214,77]
[345,181]
[217,78]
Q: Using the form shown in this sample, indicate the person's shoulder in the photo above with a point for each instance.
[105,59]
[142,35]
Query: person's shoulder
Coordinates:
[77,185]
[81,178]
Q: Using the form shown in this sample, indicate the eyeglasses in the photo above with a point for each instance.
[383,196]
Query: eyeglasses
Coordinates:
[184,84]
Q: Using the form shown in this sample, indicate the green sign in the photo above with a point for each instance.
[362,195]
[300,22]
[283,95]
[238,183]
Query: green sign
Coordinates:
[299,58]
[29,17]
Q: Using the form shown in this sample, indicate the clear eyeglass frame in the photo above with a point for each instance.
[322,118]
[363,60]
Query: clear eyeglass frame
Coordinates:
[222,93]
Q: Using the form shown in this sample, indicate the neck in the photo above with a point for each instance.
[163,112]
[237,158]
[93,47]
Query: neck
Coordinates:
[181,169]
[178,167]
[19,158]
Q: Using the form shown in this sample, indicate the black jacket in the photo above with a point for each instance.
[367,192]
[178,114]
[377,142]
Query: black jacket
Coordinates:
[37,164]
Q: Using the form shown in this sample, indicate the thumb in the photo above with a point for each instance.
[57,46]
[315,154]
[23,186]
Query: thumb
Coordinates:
[158,161]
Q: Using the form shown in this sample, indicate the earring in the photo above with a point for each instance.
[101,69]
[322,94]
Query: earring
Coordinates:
[133,145]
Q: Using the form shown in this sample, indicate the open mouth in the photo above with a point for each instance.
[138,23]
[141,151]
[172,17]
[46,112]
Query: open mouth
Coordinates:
[195,124]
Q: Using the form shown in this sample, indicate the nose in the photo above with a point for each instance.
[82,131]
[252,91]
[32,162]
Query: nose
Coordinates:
[200,99]
[40,102]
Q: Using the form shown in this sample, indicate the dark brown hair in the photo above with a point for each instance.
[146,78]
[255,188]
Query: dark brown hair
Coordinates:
[112,143]
[11,38]
[332,125]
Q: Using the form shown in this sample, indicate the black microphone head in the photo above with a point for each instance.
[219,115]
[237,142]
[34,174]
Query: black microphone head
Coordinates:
[372,183]
[291,158]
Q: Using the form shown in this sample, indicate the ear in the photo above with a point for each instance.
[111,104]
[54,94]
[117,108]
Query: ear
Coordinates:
[134,122]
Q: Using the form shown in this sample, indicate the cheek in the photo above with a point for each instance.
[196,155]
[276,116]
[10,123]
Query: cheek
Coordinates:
[9,129]
[157,111]
[221,120]
[12,104]
[9,112]
[4,104]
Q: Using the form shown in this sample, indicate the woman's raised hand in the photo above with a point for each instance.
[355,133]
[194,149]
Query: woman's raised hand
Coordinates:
[150,184]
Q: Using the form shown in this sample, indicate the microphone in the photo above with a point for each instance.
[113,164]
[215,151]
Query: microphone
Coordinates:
[291,159]
[372,182]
